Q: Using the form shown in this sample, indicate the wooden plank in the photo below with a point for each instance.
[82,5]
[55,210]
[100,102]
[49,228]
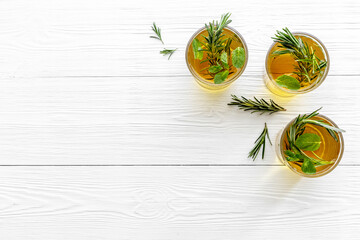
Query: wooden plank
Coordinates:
[177,203]
[93,38]
[152,120]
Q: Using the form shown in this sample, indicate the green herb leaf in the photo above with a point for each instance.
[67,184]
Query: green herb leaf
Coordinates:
[221,77]
[157,31]
[294,157]
[260,143]
[238,57]
[289,153]
[308,142]
[169,52]
[308,167]
[198,53]
[257,105]
[215,68]
[224,58]
[288,82]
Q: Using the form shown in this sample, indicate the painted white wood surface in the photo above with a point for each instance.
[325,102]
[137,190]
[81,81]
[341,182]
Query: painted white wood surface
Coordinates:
[177,203]
[81,83]
[148,120]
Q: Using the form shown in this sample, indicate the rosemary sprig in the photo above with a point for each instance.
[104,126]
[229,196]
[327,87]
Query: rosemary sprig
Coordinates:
[214,42]
[309,66]
[218,51]
[257,105]
[157,31]
[169,52]
[295,137]
[260,142]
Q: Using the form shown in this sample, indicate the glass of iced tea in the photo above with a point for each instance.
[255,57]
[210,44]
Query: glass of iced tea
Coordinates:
[296,63]
[311,145]
[216,54]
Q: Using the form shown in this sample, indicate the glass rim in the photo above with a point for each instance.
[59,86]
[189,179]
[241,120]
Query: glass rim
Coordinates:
[316,83]
[233,78]
[324,172]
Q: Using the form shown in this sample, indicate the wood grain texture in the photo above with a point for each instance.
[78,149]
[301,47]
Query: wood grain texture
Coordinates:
[111,38]
[148,120]
[177,203]
[81,83]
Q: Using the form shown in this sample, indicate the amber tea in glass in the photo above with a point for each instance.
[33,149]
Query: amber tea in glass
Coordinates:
[298,69]
[327,155]
[216,65]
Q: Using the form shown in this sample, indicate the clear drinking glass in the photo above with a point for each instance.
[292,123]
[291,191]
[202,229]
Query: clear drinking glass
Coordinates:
[194,65]
[271,63]
[332,150]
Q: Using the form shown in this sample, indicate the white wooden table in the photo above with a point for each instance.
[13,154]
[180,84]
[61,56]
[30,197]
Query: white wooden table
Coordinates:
[101,137]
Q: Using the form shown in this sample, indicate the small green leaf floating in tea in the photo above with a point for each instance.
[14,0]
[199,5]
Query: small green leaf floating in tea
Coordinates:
[238,57]
[220,77]
[288,82]
[215,68]
[308,142]
[198,53]
[308,167]
[293,157]
[224,58]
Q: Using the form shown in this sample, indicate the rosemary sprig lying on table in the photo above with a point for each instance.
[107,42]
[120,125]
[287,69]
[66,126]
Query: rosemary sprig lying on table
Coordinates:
[157,31]
[309,66]
[260,142]
[257,105]
[298,142]
[168,52]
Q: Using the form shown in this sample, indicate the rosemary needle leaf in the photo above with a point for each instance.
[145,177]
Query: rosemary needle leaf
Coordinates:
[260,143]
[256,105]
[308,66]
[157,31]
[169,52]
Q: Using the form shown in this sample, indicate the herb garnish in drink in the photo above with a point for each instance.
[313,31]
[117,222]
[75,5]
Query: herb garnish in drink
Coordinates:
[217,53]
[296,61]
[311,142]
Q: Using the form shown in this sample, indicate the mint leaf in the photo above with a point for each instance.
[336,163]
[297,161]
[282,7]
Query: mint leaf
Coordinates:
[288,82]
[224,58]
[220,77]
[294,157]
[308,142]
[238,57]
[198,53]
[291,157]
[215,68]
[290,153]
[308,167]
